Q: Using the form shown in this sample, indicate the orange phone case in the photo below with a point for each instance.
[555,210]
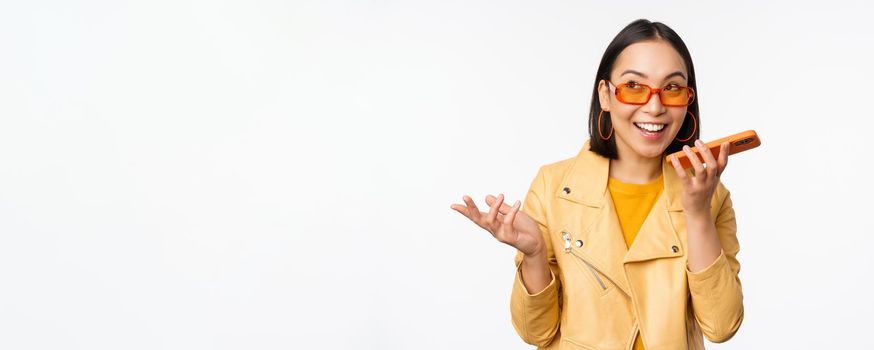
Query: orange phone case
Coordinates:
[739,142]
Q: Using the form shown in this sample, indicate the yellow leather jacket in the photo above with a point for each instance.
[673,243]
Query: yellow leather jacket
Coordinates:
[601,292]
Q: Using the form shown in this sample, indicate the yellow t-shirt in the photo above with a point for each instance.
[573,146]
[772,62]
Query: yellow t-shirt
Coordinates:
[633,203]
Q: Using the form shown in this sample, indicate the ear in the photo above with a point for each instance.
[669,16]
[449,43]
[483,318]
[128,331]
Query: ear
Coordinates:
[604,95]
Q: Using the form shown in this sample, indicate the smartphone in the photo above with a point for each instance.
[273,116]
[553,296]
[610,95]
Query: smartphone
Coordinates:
[739,142]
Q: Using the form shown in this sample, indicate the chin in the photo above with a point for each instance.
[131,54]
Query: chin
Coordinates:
[651,151]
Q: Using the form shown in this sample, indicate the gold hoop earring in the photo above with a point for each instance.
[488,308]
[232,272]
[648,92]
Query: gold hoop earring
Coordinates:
[694,128]
[599,128]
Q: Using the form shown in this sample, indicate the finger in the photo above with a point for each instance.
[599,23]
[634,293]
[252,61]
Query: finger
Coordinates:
[493,212]
[508,219]
[472,211]
[504,209]
[504,233]
[708,158]
[723,158]
[681,173]
[693,159]
[460,208]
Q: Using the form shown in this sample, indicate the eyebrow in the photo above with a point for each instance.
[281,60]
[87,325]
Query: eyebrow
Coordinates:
[631,71]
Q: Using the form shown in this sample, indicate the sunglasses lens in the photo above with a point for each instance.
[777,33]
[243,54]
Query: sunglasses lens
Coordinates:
[675,96]
[633,93]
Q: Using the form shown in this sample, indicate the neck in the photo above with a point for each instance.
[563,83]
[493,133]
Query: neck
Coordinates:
[633,168]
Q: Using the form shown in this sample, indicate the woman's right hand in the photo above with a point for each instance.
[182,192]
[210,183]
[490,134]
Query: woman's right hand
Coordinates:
[506,223]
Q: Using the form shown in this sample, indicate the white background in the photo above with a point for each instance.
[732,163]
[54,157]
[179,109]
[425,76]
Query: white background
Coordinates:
[278,175]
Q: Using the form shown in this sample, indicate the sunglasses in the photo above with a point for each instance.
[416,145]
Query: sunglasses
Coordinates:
[639,94]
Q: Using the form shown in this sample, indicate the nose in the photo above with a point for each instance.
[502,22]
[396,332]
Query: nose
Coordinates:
[654,105]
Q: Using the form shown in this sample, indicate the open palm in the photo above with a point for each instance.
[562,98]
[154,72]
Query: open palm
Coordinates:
[506,223]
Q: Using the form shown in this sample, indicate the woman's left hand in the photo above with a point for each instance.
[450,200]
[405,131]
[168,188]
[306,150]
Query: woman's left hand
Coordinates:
[698,189]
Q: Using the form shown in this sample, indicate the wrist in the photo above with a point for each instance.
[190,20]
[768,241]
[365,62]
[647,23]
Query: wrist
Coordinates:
[535,262]
[538,255]
[699,223]
[702,214]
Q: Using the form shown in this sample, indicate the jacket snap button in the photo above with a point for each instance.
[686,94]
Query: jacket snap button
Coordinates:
[675,249]
[579,243]
[567,190]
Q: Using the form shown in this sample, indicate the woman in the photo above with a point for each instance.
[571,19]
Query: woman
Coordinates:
[617,247]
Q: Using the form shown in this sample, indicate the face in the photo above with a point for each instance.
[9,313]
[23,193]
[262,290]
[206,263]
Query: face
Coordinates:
[653,63]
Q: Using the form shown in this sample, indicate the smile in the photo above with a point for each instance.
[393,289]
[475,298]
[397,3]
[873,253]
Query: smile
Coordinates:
[651,131]
[650,127]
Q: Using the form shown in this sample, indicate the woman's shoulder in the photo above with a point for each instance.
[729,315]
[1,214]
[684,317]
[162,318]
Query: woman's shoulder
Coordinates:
[721,193]
[554,171]
[558,166]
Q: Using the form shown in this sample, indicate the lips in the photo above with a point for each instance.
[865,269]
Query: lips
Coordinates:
[651,127]
[659,130]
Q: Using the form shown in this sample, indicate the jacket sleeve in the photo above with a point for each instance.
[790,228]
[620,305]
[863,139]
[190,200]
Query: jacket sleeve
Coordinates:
[536,316]
[717,295]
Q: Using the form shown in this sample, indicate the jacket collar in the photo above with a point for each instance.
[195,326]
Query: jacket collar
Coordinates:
[586,183]
[588,176]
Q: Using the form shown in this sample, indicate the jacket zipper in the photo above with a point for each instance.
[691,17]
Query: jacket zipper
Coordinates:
[567,249]
[634,334]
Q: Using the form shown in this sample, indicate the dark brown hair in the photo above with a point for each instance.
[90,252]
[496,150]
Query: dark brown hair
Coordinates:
[637,31]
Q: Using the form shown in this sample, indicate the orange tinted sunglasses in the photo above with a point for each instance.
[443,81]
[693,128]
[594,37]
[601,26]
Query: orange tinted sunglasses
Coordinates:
[639,94]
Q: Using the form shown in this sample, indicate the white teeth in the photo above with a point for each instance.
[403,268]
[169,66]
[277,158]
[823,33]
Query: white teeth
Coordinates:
[650,127]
